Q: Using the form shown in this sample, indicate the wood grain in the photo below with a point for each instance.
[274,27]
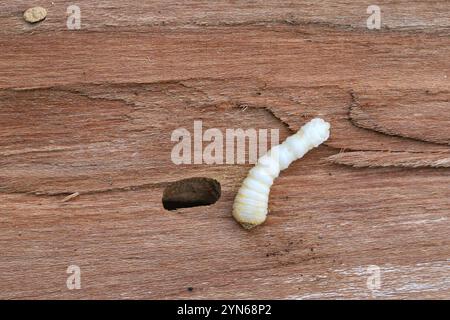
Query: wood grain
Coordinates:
[90,112]
[392,159]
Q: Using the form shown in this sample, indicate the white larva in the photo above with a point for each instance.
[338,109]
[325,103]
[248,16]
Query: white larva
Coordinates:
[251,203]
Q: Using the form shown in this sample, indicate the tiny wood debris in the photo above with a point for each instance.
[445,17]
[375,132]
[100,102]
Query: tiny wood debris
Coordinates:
[35,14]
[70,197]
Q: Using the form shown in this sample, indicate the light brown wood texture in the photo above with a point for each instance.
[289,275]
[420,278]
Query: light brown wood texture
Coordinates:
[86,118]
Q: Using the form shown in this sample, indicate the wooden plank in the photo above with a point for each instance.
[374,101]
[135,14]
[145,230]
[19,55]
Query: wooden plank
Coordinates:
[137,15]
[86,119]
[127,242]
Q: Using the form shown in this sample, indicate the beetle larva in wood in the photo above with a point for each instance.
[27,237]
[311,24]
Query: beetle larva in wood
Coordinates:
[251,203]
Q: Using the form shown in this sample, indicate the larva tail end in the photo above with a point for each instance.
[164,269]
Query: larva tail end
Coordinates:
[317,130]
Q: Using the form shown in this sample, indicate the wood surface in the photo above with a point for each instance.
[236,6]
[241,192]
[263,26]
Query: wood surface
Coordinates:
[90,113]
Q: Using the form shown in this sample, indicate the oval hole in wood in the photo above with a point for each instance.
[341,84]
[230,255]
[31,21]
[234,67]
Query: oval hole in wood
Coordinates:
[191,192]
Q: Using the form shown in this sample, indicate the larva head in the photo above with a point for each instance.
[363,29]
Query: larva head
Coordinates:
[249,212]
[247,226]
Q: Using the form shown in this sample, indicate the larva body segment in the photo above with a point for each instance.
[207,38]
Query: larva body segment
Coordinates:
[251,203]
